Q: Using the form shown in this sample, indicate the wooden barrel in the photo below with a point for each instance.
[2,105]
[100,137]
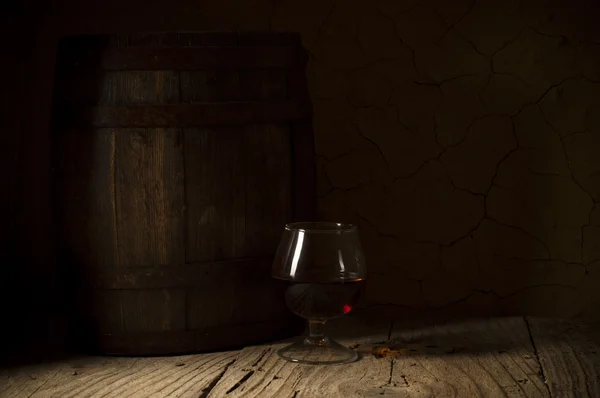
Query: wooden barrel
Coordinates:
[178,159]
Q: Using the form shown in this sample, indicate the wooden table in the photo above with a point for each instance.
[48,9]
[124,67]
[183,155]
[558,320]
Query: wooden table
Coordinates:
[501,357]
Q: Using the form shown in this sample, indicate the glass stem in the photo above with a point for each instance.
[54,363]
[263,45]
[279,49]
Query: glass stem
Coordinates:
[315,333]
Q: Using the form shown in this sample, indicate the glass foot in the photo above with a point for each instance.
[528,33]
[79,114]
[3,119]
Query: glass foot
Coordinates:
[325,352]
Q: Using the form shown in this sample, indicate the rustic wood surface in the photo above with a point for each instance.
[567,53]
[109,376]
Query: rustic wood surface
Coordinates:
[569,353]
[483,358]
[181,376]
[503,357]
[258,371]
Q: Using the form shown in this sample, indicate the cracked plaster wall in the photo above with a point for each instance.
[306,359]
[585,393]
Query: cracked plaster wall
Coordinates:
[463,140]
[462,136]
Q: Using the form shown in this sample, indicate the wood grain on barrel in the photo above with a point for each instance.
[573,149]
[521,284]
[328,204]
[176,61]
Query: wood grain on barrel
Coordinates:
[150,200]
[177,153]
[86,171]
[233,85]
[135,87]
[238,190]
[200,274]
[150,203]
[216,203]
[153,310]
[267,185]
[102,310]
[239,218]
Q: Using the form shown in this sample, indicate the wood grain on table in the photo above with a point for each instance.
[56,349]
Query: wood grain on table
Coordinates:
[499,357]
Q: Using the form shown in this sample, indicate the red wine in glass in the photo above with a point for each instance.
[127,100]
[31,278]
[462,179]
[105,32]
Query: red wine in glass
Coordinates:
[323,301]
[324,267]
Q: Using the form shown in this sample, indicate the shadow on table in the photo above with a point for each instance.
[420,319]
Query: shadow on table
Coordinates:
[386,334]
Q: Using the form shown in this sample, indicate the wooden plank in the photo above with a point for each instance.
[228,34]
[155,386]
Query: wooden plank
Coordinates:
[268,190]
[210,85]
[101,193]
[153,310]
[215,197]
[202,339]
[569,352]
[235,185]
[119,88]
[258,372]
[135,202]
[189,115]
[245,216]
[180,376]
[190,58]
[199,275]
[213,304]
[228,84]
[246,296]
[478,358]
[85,197]
[139,87]
[148,176]
[150,199]
[259,298]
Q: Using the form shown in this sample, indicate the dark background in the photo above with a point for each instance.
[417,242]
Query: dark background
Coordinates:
[436,241]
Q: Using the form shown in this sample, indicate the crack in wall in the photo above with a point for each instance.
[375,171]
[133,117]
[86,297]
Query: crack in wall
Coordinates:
[565,152]
[457,22]
[533,94]
[322,25]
